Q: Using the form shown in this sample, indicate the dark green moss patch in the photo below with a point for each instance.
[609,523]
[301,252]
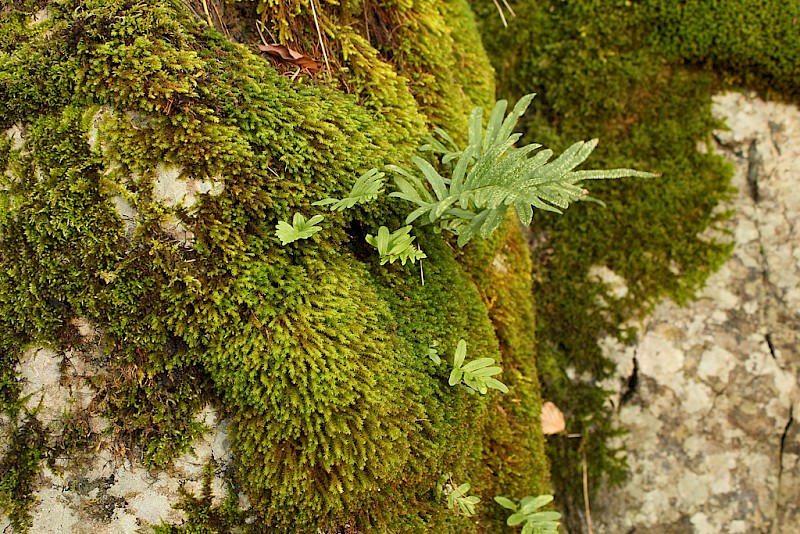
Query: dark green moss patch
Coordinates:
[755,43]
[19,467]
[151,408]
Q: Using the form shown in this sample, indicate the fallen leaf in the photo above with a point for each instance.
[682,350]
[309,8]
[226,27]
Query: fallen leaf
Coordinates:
[552,419]
[291,56]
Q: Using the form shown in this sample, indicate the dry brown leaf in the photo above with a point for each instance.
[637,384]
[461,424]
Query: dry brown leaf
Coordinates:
[288,55]
[552,419]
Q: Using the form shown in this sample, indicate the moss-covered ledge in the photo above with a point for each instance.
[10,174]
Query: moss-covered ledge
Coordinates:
[147,161]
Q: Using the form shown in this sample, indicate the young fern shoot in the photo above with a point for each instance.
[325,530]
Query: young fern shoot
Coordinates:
[526,514]
[366,189]
[458,498]
[299,229]
[396,245]
[477,375]
[490,175]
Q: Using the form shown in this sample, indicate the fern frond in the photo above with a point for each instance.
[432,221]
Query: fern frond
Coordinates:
[299,229]
[535,522]
[477,374]
[458,498]
[491,174]
[367,188]
[396,245]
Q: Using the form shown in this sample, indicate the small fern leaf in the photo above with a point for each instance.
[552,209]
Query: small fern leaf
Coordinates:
[455,376]
[299,229]
[493,383]
[506,503]
[493,221]
[395,246]
[472,228]
[434,178]
[367,188]
[494,124]
[457,181]
[461,353]
[474,365]
[612,174]
[475,126]
[419,212]
[524,212]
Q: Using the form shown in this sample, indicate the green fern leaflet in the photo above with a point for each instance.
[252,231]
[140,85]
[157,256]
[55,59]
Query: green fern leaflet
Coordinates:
[457,498]
[542,522]
[477,374]
[367,188]
[396,245]
[299,229]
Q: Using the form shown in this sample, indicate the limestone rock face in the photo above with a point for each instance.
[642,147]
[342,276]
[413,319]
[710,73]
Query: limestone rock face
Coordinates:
[106,490]
[714,441]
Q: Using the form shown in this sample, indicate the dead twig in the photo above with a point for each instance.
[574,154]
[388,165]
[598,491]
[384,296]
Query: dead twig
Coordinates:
[586,493]
[222,20]
[208,15]
[319,36]
[500,10]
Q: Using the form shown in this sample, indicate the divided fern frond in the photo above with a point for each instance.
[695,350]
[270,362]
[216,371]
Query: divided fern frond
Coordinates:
[299,229]
[477,375]
[491,174]
[396,245]
[458,498]
[535,522]
[367,188]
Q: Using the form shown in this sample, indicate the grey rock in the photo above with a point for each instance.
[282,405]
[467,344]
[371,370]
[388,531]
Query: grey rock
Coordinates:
[713,443]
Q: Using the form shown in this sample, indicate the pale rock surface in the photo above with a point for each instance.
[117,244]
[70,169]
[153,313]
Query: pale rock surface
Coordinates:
[714,441]
[102,493]
[17,135]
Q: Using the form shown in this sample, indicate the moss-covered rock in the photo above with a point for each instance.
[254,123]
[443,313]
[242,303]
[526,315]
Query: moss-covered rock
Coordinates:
[147,162]
[639,76]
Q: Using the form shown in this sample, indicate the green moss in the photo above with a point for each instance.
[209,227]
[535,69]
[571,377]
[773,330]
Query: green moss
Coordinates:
[457,423]
[516,463]
[53,202]
[18,468]
[315,351]
[152,404]
[388,52]
[9,387]
[598,74]
[747,42]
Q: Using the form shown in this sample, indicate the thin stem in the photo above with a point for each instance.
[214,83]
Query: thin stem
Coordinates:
[319,36]
[586,494]
[208,15]
[509,8]
[500,10]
